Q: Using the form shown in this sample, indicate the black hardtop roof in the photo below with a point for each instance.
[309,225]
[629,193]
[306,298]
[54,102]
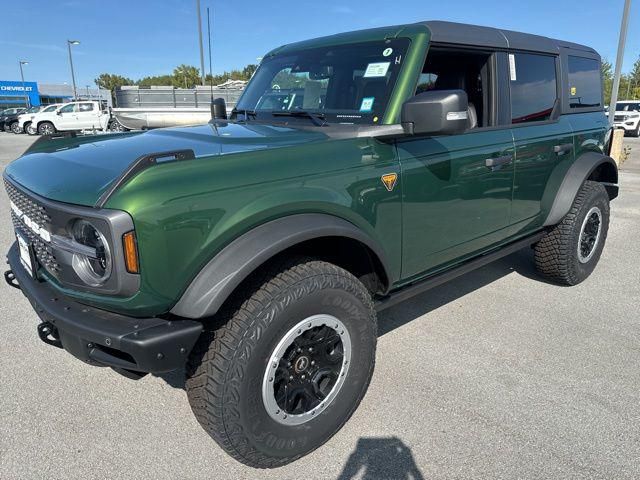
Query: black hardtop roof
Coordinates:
[461,33]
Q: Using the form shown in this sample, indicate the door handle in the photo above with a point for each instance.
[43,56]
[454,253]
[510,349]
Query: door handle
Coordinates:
[498,162]
[562,149]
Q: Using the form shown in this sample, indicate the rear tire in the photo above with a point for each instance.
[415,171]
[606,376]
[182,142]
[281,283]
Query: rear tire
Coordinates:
[46,128]
[15,127]
[569,253]
[233,375]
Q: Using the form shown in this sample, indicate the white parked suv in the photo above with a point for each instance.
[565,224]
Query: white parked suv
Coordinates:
[24,119]
[31,129]
[73,116]
[627,116]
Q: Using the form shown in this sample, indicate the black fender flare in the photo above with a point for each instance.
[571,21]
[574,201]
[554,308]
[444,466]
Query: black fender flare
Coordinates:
[235,262]
[576,175]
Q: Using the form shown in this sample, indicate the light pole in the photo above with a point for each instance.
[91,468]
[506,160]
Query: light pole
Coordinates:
[24,90]
[73,75]
[616,77]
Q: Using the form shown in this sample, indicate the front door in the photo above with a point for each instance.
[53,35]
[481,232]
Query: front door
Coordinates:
[457,190]
[67,117]
[454,202]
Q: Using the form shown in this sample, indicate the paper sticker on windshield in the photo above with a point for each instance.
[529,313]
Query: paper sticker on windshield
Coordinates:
[375,70]
[367,104]
[387,52]
[574,91]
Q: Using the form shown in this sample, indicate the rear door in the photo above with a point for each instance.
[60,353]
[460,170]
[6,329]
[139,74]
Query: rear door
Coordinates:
[88,116]
[543,138]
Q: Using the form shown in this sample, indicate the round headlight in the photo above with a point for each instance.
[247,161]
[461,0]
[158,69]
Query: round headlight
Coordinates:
[94,270]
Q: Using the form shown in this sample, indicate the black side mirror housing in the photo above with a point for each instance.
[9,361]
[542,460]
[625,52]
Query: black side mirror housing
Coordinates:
[438,112]
[219,109]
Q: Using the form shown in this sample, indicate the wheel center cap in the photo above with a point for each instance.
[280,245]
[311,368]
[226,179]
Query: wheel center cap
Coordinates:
[301,364]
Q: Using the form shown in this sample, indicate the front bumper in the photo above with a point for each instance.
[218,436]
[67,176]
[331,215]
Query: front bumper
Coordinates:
[101,338]
[628,126]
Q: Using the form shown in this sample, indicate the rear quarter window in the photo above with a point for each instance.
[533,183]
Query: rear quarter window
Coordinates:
[585,83]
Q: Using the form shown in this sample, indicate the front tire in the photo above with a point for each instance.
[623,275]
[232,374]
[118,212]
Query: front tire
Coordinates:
[46,128]
[15,127]
[289,365]
[569,253]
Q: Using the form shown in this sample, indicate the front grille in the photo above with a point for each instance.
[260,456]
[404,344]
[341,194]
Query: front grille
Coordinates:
[38,214]
[618,118]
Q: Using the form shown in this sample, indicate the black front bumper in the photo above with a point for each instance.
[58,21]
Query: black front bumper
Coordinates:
[104,338]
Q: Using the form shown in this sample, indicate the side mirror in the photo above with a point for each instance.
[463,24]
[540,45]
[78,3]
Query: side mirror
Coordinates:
[58,112]
[218,109]
[438,112]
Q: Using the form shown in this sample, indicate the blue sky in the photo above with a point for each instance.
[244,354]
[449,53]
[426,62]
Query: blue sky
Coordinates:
[144,37]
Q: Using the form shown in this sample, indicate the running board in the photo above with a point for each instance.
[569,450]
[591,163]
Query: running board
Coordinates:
[468,266]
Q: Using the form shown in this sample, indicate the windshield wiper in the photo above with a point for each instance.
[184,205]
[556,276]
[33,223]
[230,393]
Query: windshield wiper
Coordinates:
[317,118]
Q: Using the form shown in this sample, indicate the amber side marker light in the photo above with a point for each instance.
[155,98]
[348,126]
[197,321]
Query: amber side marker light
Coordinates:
[131,252]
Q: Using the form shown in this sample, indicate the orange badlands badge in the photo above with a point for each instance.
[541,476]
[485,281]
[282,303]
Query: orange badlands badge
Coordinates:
[389,180]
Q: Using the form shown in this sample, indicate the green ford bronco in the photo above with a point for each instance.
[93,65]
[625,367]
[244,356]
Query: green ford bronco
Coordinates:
[356,171]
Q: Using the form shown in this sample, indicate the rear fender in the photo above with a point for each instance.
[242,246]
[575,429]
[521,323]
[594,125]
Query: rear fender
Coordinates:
[581,170]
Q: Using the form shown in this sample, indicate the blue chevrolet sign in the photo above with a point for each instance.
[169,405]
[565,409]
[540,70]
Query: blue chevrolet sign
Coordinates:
[17,90]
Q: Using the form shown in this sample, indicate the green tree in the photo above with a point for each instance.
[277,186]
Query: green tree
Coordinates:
[607,80]
[633,88]
[111,81]
[186,76]
[157,80]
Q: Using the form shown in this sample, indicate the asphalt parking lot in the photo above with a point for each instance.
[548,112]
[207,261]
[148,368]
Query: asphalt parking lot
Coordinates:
[494,375]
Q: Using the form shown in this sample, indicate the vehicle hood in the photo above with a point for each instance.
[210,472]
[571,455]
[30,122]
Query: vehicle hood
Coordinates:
[79,170]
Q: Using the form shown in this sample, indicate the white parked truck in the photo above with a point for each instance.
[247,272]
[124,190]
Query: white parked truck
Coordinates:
[73,116]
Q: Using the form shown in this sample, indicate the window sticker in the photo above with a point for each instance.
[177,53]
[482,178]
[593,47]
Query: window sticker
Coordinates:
[376,70]
[387,52]
[512,67]
[574,91]
[367,104]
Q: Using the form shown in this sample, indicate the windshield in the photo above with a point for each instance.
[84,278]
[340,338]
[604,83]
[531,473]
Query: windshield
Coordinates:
[343,84]
[33,110]
[51,108]
[628,107]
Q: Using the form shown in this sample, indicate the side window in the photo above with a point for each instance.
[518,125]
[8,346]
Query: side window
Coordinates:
[86,107]
[68,108]
[452,69]
[585,83]
[534,88]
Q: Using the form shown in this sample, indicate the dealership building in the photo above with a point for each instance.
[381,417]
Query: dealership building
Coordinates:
[20,94]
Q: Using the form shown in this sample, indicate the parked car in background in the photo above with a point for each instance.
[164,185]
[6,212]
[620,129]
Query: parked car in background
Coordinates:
[8,115]
[30,126]
[73,116]
[627,116]
[24,119]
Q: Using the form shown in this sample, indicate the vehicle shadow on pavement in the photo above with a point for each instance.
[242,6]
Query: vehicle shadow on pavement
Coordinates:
[388,320]
[381,458]
[521,262]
